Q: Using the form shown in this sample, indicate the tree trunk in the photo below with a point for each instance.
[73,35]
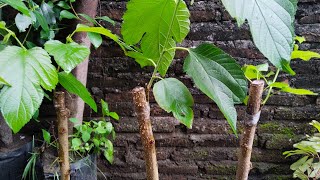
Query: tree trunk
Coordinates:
[75,103]
[62,124]
[250,124]
[6,137]
[142,109]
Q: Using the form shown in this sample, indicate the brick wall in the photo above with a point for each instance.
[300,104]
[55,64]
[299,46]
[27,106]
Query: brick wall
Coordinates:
[208,151]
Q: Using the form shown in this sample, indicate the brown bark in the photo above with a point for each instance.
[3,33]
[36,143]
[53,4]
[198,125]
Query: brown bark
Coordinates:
[6,137]
[250,124]
[142,109]
[75,103]
[62,124]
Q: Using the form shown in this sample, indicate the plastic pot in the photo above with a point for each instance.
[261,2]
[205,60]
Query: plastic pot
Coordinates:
[83,169]
[12,163]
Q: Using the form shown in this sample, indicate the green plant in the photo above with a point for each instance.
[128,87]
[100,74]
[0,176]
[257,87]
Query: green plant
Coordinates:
[270,77]
[154,28]
[94,136]
[26,69]
[307,167]
[254,104]
[30,169]
[21,97]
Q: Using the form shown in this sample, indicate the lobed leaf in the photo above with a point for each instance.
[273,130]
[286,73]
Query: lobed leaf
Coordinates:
[67,56]
[29,70]
[157,25]
[271,25]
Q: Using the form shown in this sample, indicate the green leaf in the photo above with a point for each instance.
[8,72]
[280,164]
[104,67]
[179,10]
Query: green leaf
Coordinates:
[46,136]
[36,116]
[18,5]
[85,136]
[48,13]
[63,5]
[42,21]
[108,154]
[141,59]
[219,76]
[315,124]
[95,39]
[300,39]
[104,127]
[74,120]
[72,85]
[76,142]
[3,82]
[107,19]
[28,71]
[96,142]
[298,91]
[263,67]
[299,163]
[30,45]
[64,14]
[245,101]
[114,115]
[284,87]
[251,72]
[105,108]
[22,22]
[157,25]
[88,18]
[173,96]
[100,130]
[304,55]
[2,25]
[67,56]
[98,30]
[271,25]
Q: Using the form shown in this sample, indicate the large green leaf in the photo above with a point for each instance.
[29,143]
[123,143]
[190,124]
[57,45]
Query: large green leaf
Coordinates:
[69,55]
[26,71]
[219,76]
[271,24]
[72,85]
[18,5]
[158,25]
[173,96]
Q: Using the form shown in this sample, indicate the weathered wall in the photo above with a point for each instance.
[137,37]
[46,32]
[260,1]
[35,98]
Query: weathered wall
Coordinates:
[208,151]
